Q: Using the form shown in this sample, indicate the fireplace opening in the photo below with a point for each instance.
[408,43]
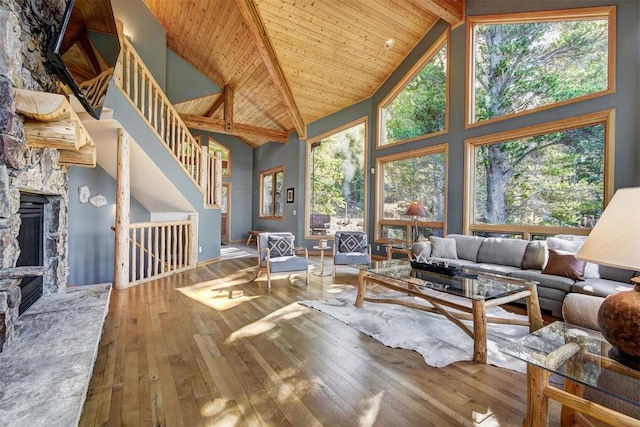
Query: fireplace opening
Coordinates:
[31,241]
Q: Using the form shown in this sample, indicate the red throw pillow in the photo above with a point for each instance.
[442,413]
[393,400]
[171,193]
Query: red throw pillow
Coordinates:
[564,264]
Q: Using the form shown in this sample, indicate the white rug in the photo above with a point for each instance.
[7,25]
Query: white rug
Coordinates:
[437,339]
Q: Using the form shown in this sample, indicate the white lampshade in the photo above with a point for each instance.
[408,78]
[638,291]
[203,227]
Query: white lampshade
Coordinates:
[615,239]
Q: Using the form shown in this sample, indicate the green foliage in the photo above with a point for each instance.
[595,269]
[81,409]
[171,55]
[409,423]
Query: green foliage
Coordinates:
[419,109]
[337,174]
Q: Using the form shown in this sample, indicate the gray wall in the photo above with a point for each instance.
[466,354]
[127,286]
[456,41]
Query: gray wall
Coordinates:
[91,240]
[147,35]
[241,181]
[184,82]
[625,101]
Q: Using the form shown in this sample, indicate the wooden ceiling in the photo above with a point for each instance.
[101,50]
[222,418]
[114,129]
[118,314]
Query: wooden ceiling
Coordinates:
[287,63]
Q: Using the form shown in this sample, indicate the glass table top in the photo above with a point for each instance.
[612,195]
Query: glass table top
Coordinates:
[471,284]
[580,355]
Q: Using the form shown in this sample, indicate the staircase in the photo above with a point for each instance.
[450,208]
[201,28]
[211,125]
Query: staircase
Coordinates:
[169,174]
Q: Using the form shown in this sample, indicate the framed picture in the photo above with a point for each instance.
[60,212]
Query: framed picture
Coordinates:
[289,195]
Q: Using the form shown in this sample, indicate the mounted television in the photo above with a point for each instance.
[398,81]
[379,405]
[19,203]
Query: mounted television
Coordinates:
[80,51]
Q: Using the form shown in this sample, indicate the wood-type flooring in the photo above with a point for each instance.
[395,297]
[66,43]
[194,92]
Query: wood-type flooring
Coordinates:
[179,352]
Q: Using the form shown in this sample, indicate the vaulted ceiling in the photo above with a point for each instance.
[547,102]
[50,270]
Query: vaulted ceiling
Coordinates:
[286,63]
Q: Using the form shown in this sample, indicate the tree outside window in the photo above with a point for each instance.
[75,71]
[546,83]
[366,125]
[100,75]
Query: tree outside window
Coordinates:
[271,183]
[552,175]
[419,175]
[335,180]
[418,104]
[541,61]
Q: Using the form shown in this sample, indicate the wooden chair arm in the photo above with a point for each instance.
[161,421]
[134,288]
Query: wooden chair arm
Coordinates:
[300,248]
[267,250]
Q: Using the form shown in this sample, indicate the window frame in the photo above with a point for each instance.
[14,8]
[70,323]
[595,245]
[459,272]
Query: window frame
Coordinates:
[307,204]
[379,196]
[442,40]
[263,176]
[603,12]
[605,118]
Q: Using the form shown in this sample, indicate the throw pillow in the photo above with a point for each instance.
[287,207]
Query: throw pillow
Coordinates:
[281,245]
[573,244]
[565,264]
[421,250]
[351,243]
[443,247]
[535,256]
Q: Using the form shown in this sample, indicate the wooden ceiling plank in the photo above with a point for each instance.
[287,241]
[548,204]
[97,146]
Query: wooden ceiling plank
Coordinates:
[448,10]
[252,19]
[240,129]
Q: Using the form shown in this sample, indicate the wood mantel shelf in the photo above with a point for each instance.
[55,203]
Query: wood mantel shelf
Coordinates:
[51,122]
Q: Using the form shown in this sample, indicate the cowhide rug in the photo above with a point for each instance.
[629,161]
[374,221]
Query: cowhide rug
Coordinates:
[437,339]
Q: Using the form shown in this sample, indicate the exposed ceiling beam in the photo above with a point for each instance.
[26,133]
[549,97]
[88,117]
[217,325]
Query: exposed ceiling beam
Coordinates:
[446,9]
[252,19]
[216,105]
[228,108]
[239,129]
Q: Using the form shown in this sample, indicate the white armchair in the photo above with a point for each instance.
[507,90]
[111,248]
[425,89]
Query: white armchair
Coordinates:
[277,254]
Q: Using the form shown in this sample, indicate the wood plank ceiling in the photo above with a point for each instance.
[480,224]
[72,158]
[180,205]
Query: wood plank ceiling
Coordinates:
[286,63]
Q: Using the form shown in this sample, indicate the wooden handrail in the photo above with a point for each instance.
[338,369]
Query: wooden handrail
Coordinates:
[137,83]
[95,90]
[158,249]
[213,179]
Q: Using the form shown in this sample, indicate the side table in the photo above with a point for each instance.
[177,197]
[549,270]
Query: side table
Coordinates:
[321,272]
[578,355]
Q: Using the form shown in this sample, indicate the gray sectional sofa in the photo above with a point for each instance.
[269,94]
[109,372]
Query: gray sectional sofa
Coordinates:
[526,260]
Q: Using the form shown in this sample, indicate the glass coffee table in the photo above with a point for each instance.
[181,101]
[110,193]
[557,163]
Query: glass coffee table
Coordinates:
[464,297]
[580,356]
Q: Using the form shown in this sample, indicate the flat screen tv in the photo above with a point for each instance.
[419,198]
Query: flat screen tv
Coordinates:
[100,51]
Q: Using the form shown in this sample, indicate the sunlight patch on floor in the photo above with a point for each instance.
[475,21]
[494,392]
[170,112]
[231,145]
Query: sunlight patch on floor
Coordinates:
[219,294]
[268,322]
[372,407]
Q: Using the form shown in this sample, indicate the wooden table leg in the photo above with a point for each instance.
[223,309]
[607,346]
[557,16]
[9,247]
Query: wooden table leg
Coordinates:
[537,403]
[533,310]
[362,288]
[479,312]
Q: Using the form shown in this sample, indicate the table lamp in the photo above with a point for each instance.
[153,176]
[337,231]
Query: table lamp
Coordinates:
[615,242]
[415,209]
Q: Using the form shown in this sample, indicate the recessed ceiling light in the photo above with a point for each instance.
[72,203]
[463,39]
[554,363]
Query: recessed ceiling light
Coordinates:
[389,43]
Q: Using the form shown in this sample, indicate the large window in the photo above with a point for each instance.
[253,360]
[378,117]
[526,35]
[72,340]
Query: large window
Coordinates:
[545,179]
[271,182]
[417,106]
[225,155]
[335,180]
[418,175]
[525,62]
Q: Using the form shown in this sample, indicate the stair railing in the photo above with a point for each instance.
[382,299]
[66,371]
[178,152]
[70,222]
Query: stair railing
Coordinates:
[159,249]
[95,90]
[137,83]
[213,178]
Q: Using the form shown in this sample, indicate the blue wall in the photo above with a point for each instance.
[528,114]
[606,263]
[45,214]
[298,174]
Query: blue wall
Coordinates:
[91,240]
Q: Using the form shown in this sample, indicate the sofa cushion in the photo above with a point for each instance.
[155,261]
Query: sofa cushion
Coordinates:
[443,247]
[345,258]
[545,280]
[421,250]
[503,270]
[496,250]
[288,263]
[467,247]
[600,287]
[617,274]
[535,256]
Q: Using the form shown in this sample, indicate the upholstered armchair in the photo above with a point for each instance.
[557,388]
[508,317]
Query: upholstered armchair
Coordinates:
[277,254]
[350,247]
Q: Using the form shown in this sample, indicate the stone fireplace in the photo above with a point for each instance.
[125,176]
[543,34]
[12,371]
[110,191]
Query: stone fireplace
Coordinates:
[25,170]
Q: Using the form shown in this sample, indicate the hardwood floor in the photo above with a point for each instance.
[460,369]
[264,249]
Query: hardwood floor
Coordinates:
[179,352]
